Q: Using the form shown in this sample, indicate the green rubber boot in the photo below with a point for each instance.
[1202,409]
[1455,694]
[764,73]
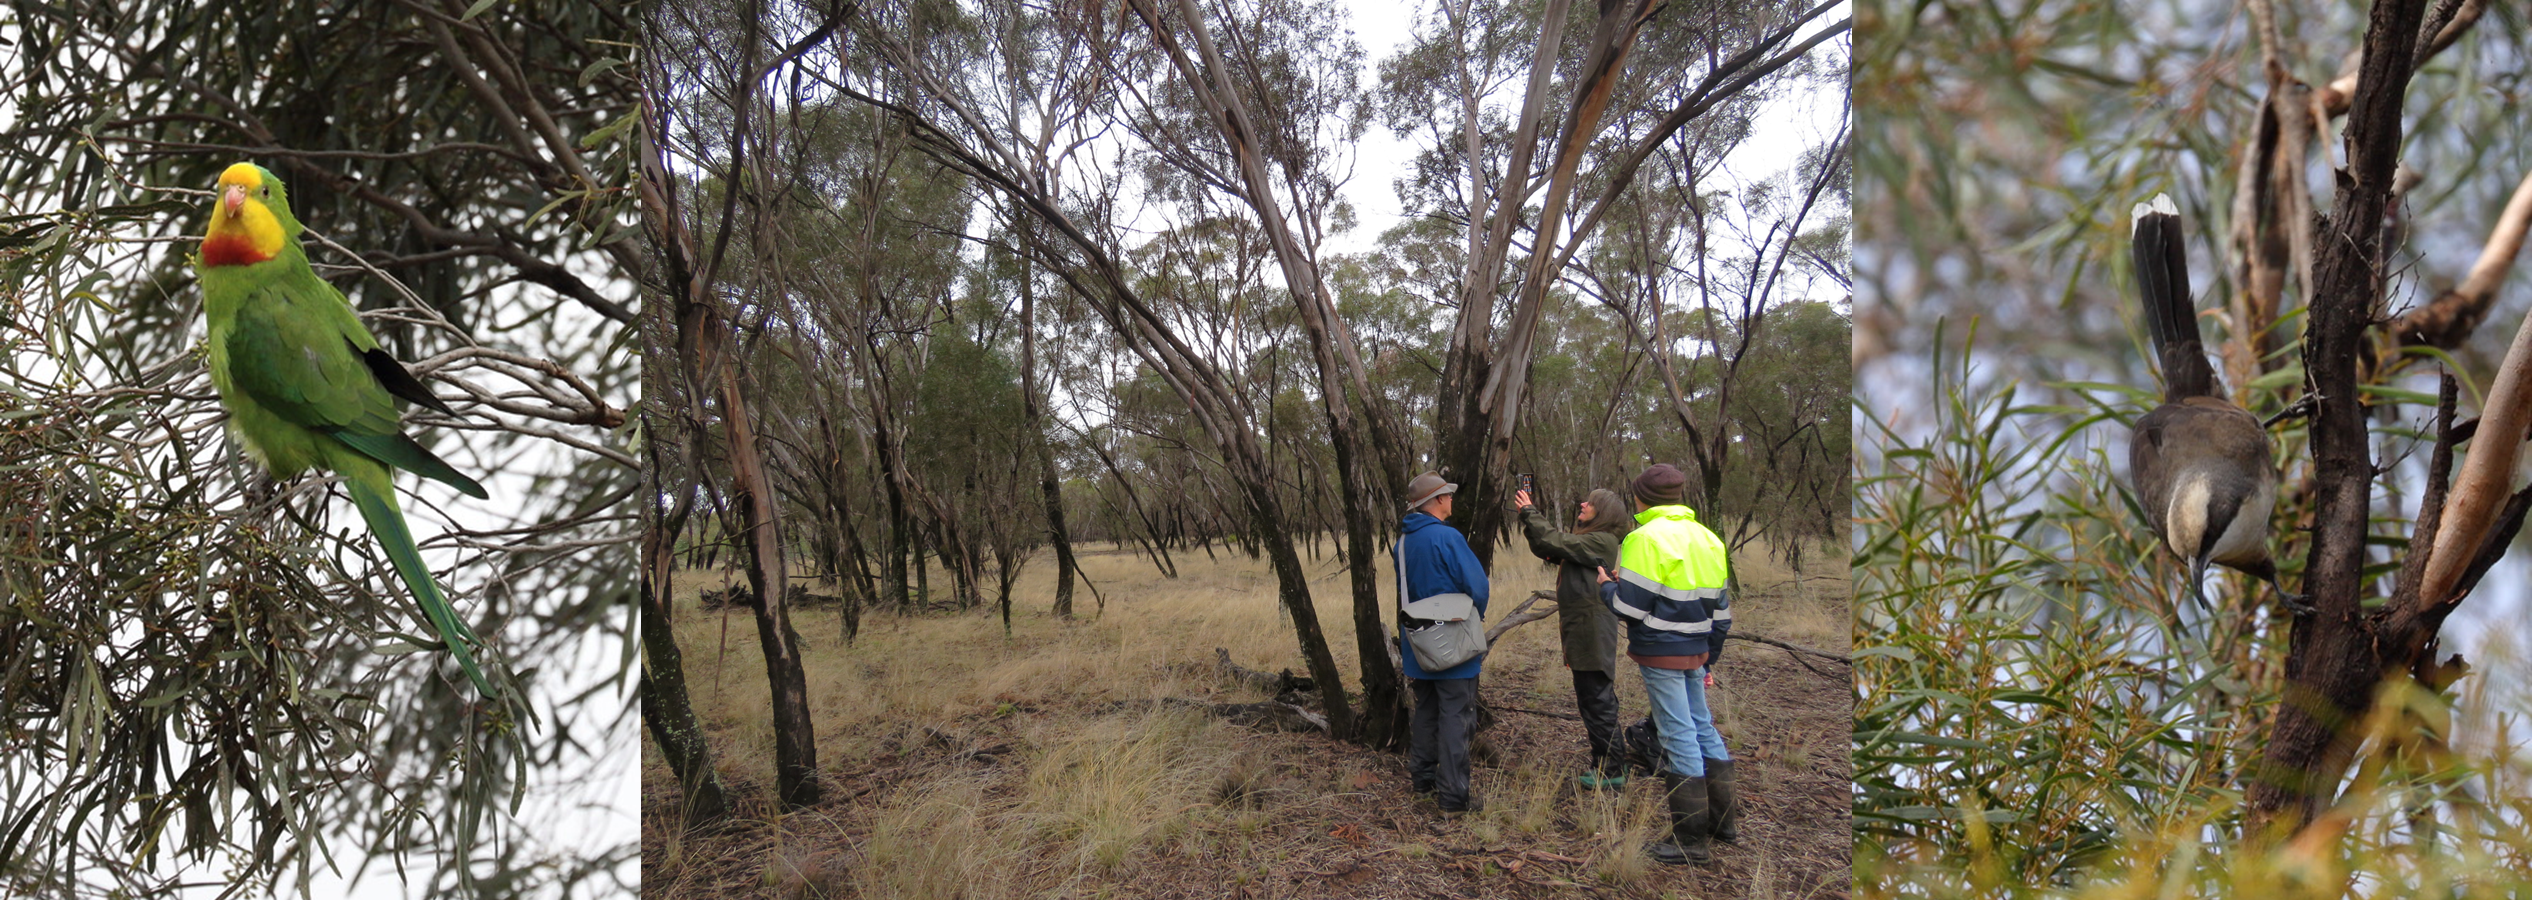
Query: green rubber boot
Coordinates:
[1602,776]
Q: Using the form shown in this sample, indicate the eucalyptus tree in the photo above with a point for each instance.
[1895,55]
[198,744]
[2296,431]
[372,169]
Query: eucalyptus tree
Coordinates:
[708,109]
[1736,287]
[1616,104]
[1009,149]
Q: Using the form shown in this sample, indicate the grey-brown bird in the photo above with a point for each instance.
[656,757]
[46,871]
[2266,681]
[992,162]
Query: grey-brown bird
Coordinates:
[2202,465]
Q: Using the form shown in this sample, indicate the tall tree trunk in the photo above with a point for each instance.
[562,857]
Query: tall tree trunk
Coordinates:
[922,568]
[795,737]
[665,706]
[701,336]
[1037,427]
[1486,378]
[1383,722]
[852,563]
[1223,412]
[2336,660]
[900,533]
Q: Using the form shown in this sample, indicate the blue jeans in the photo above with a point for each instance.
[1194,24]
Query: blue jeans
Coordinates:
[1687,725]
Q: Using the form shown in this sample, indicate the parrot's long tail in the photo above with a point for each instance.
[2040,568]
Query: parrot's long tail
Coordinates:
[377,501]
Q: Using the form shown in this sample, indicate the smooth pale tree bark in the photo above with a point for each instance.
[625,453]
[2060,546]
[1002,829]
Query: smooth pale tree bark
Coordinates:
[1486,376]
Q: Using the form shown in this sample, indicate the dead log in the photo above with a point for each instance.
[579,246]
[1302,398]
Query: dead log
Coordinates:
[1279,685]
[1269,716]
[728,596]
[1266,716]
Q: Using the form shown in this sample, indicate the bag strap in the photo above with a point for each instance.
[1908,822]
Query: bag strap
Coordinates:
[1398,561]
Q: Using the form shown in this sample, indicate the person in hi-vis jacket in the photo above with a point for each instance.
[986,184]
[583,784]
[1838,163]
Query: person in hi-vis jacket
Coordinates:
[1669,587]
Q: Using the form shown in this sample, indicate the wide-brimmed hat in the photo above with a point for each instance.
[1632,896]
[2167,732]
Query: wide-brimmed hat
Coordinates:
[1662,484]
[1425,487]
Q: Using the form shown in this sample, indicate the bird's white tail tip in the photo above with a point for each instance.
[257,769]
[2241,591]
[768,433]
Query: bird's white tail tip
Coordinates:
[2162,203]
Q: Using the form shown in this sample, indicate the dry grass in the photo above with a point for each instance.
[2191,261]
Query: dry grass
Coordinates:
[963,764]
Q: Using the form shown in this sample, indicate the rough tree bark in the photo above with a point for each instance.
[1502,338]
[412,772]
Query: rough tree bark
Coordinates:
[2333,665]
[665,705]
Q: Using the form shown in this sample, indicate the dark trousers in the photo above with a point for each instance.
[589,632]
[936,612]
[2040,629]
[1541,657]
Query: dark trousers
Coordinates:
[1596,695]
[1437,737]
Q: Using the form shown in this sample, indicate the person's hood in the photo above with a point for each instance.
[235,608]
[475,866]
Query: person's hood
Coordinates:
[1418,521]
[1672,511]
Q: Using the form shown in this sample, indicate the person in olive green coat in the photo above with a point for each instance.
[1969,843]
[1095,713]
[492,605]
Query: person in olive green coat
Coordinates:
[1590,630]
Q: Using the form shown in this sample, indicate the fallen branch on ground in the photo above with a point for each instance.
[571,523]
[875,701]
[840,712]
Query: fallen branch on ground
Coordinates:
[1279,685]
[1270,716]
[1772,642]
[1223,665]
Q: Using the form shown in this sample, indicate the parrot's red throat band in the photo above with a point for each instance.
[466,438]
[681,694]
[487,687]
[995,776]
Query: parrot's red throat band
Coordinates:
[232,249]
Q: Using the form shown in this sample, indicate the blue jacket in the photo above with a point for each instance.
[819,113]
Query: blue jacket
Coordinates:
[1436,560]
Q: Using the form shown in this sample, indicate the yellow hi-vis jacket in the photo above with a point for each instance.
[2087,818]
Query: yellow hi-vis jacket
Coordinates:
[1670,588]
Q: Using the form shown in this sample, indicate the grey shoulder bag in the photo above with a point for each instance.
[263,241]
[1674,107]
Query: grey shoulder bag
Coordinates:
[1444,629]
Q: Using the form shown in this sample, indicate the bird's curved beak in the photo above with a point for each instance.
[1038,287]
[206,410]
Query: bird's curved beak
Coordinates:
[233,198]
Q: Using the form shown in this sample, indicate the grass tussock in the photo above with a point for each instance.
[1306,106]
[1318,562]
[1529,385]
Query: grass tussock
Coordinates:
[1122,784]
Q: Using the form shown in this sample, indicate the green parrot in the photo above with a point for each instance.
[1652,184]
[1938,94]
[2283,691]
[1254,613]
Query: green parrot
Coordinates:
[308,387]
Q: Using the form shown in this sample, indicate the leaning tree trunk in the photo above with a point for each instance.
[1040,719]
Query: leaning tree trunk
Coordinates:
[1102,281]
[1384,718]
[795,737]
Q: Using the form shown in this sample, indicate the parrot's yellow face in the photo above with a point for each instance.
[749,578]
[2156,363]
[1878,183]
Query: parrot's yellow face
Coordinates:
[243,228]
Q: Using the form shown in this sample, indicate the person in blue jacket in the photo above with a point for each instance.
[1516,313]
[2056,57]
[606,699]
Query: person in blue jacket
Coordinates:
[1433,559]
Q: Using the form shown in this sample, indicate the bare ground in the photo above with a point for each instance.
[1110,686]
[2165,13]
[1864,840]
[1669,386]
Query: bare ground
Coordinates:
[972,800]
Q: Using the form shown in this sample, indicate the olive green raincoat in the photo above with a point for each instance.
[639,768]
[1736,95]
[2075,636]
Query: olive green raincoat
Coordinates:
[1590,630]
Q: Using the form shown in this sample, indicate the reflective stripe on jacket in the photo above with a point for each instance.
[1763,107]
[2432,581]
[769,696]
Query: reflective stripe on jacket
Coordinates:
[1670,589]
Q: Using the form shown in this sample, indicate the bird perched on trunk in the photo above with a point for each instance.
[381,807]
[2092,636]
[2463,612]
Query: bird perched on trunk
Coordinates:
[2201,464]
[308,387]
